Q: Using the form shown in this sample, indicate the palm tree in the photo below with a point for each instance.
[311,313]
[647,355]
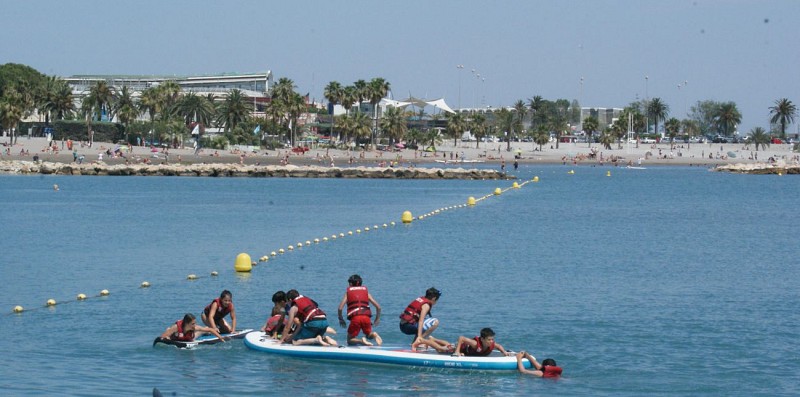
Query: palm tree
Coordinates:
[541,137]
[657,110]
[169,91]
[295,107]
[727,117]
[100,98]
[672,127]
[333,93]
[11,112]
[690,129]
[362,125]
[477,126]
[349,97]
[361,92]
[58,102]
[759,137]
[519,117]
[505,121]
[395,124]
[456,125]
[377,90]
[590,125]
[783,113]
[126,109]
[607,138]
[195,108]
[233,110]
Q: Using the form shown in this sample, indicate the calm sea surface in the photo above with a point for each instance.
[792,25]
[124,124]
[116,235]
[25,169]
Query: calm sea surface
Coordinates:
[671,281]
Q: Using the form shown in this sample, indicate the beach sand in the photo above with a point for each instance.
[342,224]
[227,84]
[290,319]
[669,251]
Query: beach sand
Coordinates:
[486,153]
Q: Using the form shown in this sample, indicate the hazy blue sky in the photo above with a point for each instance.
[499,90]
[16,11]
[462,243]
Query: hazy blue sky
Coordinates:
[746,51]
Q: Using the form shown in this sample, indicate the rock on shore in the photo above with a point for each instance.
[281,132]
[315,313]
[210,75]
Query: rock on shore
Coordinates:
[236,170]
[779,167]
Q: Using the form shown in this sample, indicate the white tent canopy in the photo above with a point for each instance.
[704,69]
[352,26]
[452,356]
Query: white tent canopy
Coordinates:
[437,103]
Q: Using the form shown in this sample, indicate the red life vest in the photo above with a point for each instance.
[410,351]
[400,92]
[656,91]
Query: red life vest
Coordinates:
[479,350]
[414,309]
[180,335]
[307,310]
[358,302]
[551,371]
[221,310]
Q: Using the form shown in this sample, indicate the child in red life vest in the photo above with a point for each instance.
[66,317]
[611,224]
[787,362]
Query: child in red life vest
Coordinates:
[547,369]
[187,330]
[275,323]
[214,314]
[482,345]
[417,320]
[314,322]
[357,298]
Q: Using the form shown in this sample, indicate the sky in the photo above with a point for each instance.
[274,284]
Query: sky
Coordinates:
[601,53]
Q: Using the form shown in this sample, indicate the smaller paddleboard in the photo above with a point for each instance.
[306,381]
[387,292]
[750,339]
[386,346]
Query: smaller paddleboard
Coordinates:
[205,339]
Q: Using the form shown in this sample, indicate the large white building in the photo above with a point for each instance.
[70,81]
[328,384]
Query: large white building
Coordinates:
[254,86]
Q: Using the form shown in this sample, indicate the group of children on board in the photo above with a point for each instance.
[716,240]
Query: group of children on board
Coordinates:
[299,320]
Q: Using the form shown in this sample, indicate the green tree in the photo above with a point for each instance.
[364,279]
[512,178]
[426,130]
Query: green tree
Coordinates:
[690,129]
[672,127]
[541,136]
[505,122]
[196,108]
[703,113]
[727,118]
[361,91]
[520,111]
[233,110]
[333,93]
[349,98]
[394,124]
[11,112]
[456,125]
[58,101]
[478,127]
[590,125]
[657,110]
[125,108]
[362,125]
[377,90]
[783,113]
[607,138]
[759,137]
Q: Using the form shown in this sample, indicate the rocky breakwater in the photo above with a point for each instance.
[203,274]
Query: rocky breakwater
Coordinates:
[779,167]
[236,170]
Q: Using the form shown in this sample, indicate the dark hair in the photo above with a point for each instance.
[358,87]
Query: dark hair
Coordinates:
[432,293]
[291,294]
[355,280]
[549,362]
[188,317]
[226,292]
[279,296]
[486,332]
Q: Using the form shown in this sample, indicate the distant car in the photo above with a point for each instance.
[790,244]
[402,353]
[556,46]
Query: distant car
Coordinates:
[719,139]
[776,141]
[648,140]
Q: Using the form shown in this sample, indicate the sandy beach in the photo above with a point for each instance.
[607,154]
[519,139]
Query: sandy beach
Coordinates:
[463,154]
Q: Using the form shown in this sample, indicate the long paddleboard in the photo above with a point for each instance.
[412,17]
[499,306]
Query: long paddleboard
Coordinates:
[397,355]
[205,339]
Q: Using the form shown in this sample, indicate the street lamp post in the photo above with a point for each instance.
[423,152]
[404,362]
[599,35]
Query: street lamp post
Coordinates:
[460,68]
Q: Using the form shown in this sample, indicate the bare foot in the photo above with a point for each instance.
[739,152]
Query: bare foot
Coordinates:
[378,339]
[331,341]
[321,341]
[365,341]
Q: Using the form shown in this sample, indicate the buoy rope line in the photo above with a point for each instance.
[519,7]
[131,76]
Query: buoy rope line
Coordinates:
[406,218]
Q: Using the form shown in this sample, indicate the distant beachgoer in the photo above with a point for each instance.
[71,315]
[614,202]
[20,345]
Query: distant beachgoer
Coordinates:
[214,314]
[547,369]
[357,298]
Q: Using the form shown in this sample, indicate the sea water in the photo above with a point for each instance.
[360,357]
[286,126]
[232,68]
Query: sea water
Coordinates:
[656,281]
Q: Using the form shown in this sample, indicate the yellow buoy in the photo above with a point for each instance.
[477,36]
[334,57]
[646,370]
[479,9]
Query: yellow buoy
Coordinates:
[51,302]
[104,292]
[324,239]
[536,179]
[407,217]
[191,277]
[497,191]
[81,297]
[145,284]
[19,309]
[243,263]
[309,242]
[214,273]
[471,200]
[571,172]
[281,251]
[515,185]
[273,253]
[290,248]
[316,241]
[608,173]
